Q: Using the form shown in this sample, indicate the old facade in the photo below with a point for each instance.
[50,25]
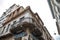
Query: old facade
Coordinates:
[55,8]
[19,23]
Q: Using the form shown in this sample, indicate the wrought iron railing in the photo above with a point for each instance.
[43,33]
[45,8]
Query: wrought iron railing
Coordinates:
[21,21]
[28,20]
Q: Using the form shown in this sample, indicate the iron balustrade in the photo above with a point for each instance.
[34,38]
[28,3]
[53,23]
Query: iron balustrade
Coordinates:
[21,21]
[28,20]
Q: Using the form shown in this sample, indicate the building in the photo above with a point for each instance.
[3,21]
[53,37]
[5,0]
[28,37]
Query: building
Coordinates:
[55,8]
[19,23]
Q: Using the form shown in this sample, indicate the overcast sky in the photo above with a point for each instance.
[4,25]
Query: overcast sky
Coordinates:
[39,6]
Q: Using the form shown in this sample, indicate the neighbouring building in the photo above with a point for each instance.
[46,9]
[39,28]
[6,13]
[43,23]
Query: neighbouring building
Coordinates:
[19,23]
[55,8]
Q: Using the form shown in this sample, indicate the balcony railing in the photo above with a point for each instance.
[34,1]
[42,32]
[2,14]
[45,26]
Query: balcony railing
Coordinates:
[21,21]
[18,25]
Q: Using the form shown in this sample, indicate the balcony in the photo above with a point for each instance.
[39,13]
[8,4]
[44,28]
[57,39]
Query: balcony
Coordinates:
[22,24]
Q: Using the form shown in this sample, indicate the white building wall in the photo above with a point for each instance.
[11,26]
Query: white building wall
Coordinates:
[27,14]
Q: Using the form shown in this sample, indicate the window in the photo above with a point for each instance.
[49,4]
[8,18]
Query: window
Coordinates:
[21,19]
[9,10]
[4,13]
[59,16]
[18,9]
[13,12]
[7,27]
[58,9]
[14,22]
[3,30]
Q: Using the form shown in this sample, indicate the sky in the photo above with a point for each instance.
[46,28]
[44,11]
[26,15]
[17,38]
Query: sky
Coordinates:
[39,6]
